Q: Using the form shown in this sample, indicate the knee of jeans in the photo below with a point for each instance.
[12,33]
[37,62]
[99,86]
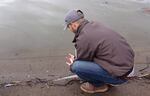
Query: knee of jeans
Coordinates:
[75,67]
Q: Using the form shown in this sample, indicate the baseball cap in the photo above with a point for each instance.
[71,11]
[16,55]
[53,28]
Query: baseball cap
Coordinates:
[72,16]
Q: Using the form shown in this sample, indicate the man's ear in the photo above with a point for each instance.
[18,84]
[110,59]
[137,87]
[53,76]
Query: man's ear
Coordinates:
[72,24]
[75,25]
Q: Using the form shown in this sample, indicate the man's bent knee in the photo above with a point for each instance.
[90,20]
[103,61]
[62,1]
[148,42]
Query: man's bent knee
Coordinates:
[75,66]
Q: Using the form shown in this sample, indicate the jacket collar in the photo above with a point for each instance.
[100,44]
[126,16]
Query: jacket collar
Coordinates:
[82,24]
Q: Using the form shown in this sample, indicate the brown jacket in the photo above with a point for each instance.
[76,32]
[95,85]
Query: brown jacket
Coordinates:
[94,42]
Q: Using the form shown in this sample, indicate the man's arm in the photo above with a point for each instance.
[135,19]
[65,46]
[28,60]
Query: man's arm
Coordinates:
[85,50]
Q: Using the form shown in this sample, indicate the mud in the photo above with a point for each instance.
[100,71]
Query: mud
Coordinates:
[33,44]
[136,87]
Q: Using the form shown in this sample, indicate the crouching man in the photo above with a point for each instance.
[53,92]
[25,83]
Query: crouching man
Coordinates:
[103,56]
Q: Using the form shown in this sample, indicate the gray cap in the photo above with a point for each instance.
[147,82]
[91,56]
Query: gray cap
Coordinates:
[72,16]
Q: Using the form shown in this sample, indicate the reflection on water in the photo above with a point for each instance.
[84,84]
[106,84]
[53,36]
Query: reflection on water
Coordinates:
[142,1]
[31,28]
[5,2]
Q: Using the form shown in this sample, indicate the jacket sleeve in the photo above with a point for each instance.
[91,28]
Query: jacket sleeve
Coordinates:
[85,50]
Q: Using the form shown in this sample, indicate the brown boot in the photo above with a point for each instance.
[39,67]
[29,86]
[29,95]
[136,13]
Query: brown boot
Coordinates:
[89,88]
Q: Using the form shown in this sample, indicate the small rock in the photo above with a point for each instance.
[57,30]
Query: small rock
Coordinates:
[9,85]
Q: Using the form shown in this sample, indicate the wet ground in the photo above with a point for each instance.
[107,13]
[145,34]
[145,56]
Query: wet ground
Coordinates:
[135,87]
[34,28]
[33,43]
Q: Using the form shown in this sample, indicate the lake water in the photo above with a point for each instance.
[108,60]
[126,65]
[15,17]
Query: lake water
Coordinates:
[34,28]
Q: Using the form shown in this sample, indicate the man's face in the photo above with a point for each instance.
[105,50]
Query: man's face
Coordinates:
[72,27]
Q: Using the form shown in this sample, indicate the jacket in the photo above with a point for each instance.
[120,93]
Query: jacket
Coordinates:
[96,43]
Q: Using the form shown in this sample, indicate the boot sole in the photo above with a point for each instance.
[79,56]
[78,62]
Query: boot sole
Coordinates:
[96,91]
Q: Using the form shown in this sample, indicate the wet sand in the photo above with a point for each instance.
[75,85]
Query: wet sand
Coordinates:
[132,88]
[34,28]
[34,45]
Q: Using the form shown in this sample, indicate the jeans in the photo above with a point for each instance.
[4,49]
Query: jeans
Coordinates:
[94,73]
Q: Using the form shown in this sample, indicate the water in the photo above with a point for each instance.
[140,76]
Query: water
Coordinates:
[34,28]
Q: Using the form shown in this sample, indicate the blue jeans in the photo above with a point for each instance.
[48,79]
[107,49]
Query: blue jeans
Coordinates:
[94,73]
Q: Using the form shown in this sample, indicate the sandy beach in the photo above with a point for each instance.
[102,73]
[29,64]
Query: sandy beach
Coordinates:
[33,43]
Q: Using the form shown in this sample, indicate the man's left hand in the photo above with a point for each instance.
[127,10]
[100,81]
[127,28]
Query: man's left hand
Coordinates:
[69,59]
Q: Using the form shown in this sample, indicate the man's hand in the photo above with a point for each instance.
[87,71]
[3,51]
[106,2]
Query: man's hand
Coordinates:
[70,59]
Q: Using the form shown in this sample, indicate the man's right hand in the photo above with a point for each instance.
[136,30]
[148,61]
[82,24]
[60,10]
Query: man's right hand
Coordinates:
[69,59]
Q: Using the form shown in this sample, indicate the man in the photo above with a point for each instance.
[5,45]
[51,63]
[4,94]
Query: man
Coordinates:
[103,56]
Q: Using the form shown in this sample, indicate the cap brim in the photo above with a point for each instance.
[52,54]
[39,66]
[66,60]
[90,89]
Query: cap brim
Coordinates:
[65,28]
